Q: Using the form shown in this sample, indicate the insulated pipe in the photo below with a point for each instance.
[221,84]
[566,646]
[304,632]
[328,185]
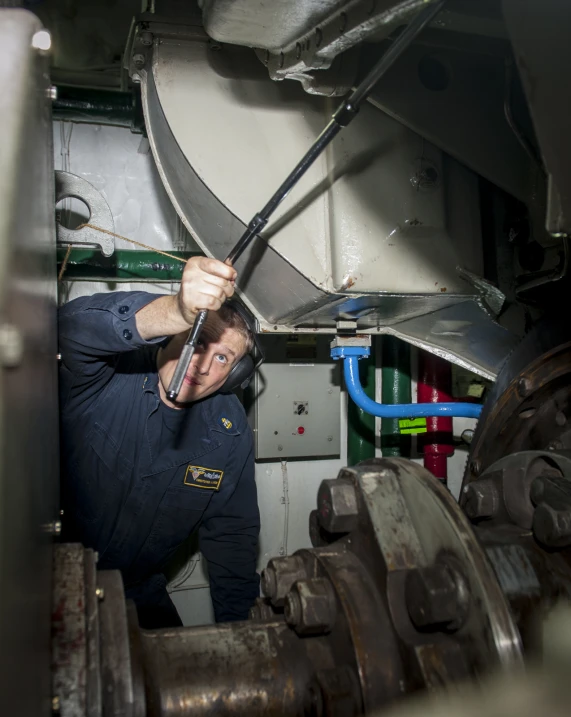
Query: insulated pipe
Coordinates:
[351,356]
[123,265]
[395,390]
[435,386]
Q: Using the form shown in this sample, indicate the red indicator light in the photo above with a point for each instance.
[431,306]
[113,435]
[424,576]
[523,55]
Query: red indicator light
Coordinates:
[301,430]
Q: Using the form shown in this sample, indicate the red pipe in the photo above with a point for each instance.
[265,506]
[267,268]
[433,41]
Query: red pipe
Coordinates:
[435,386]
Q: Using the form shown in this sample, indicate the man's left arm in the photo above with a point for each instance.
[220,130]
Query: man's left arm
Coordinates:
[229,541]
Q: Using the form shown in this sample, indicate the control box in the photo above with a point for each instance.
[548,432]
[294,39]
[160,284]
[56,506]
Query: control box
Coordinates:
[296,411]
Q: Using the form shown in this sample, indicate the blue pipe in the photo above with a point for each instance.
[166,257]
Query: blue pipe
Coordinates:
[351,356]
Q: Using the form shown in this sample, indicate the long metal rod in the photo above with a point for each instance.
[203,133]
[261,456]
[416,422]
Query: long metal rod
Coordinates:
[342,117]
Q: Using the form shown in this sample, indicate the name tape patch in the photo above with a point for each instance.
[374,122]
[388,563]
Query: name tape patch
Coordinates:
[201,477]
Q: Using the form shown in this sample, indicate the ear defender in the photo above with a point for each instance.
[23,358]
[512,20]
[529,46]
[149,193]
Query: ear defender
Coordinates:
[243,372]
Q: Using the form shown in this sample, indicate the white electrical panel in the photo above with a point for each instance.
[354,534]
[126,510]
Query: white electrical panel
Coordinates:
[297,410]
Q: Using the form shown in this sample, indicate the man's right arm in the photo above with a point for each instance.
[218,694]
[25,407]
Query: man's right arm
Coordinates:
[93,329]
[205,284]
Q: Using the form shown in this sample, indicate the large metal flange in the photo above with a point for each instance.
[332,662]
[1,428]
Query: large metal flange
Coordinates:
[420,531]
[529,408]
[70,185]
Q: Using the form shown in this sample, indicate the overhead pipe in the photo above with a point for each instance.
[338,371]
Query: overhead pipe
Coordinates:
[351,356]
[102,107]
[123,265]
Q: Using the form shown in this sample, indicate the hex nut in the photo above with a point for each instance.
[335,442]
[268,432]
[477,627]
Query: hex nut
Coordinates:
[436,597]
[311,607]
[337,505]
[279,576]
[481,499]
[261,610]
[339,692]
[552,527]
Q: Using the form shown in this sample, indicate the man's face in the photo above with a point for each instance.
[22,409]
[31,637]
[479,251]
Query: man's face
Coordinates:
[219,348]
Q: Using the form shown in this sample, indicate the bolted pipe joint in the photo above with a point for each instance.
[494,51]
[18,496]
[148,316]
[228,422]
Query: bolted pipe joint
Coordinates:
[337,505]
[481,499]
[437,598]
[311,607]
[279,576]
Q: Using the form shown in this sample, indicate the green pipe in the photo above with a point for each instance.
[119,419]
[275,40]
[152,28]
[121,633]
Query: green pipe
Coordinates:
[361,425]
[90,106]
[395,389]
[122,265]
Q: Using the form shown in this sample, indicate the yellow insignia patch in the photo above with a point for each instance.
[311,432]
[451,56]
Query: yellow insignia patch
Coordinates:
[226,423]
[201,477]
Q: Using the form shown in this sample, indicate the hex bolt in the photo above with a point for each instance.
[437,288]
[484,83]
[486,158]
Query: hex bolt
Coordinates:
[524,387]
[261,610]
[436,597]
[146,38]
[467,435]
[138,59]
[311,607]
[292,609]
[337,505]
[279,576]
[481,499]
[552,527]
[339,693]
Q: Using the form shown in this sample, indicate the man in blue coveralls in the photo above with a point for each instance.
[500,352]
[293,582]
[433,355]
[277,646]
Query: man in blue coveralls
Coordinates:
[141,473]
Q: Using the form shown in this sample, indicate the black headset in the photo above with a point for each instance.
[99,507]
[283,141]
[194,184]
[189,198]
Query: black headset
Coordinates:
[242,373]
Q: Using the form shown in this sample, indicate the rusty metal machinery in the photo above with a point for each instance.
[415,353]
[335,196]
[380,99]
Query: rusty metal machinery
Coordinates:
[401,595]
[405,589]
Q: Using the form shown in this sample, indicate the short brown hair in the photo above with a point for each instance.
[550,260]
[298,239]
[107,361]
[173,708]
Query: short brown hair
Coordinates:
[233,320]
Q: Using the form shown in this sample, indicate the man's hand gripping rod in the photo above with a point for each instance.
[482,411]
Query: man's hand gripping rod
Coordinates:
[340,119]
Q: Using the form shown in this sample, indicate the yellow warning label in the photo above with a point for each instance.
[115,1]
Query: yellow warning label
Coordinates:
[412,425]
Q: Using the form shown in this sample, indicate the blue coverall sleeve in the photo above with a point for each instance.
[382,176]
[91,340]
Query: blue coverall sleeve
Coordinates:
[229,540]
[92,331]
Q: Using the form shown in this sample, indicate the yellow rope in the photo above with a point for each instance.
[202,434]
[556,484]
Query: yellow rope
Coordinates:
[119,236]
[64,263]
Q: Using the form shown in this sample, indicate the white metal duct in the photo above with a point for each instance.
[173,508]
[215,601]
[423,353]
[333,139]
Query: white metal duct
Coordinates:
[376,229]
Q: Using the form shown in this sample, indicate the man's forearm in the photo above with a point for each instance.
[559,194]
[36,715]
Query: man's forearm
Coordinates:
[161,317]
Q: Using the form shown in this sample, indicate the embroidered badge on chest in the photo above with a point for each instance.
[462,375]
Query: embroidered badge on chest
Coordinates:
[226,423]
[201,477]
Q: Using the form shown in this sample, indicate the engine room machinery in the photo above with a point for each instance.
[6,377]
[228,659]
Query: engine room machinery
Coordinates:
[441,218]
[404,589]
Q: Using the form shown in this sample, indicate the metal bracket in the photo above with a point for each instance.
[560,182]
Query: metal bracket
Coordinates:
[341,352]
[70,185]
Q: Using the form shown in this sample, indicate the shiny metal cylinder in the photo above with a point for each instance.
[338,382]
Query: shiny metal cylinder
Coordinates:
[228,669]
